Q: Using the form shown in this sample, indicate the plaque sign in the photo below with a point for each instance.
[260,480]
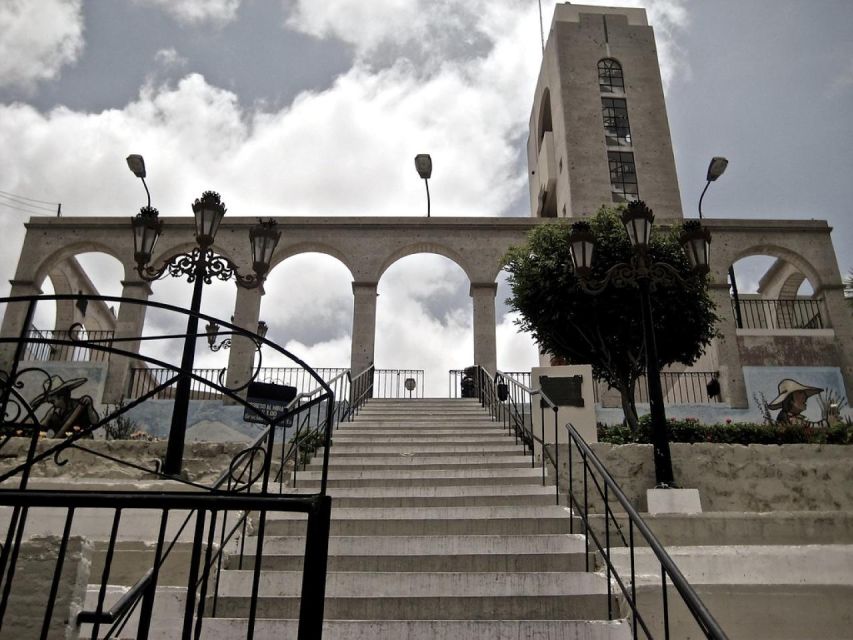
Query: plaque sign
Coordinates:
[563,391]
[270,399]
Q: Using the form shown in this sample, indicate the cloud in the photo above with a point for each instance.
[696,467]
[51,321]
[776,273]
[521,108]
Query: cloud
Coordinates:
[384,31]
[169,58]
[193,12]
[346,150]
[37,39]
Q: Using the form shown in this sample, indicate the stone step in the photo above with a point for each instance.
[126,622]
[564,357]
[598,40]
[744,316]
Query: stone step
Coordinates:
[415,477]
[424,596]
[747,564]
[426,418]
[746,528]
[449,439]
[402,461]
[498,520]
[477,553]
[383,449]
[228,628]
[431,432]
[441,496]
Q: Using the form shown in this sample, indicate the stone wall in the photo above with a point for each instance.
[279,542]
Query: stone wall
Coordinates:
[31,584]
[204,461]
[794,477]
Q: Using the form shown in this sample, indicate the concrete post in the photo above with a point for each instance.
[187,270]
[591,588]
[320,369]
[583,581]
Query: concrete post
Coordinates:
[732,385]
[13,319]
[241,357]
[485,342]
[131,318]
[363,325]
[837,309]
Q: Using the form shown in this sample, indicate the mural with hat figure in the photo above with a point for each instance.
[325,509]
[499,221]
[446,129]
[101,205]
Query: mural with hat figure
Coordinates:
[797,395]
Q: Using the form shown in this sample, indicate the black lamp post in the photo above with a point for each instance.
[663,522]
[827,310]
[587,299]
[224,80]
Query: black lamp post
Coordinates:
[641,273]
[200,266]
[423,164]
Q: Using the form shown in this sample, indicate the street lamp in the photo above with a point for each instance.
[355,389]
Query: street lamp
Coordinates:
[423,163]
[212,331]
[716,168]
[641,273]
[200,266]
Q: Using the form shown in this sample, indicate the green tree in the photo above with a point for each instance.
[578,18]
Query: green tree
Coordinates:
[605,330]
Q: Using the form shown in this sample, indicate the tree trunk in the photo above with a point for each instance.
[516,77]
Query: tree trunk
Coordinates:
[630,409]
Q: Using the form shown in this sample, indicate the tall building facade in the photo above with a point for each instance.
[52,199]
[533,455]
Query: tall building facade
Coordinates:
[598,129]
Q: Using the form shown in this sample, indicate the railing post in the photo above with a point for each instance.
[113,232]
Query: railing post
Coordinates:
[312,603]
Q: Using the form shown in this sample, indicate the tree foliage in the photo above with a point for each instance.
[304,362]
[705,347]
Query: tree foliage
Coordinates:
[605,330]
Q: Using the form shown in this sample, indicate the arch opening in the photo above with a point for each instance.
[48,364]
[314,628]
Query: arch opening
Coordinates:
[308,310]
[769,291]
[424,319]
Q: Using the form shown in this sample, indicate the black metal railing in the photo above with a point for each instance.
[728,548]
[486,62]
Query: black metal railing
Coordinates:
[43,345]
[588,483]
[680,387]
[392,383]
[791,313]
[457,376]
[212,518]
[388,383]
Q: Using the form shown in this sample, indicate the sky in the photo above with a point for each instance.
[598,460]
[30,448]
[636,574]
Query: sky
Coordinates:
[299,107]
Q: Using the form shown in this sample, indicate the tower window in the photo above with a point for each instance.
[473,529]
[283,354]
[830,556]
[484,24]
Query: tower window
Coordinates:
[616,128]
[623,176]
[610,79]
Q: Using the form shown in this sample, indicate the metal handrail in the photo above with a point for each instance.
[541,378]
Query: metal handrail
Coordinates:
[240,478]
[489,398]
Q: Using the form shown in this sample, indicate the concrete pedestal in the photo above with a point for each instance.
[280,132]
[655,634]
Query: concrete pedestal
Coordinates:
[673,501]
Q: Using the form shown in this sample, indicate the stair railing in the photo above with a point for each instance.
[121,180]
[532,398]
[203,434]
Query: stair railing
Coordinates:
[243,489]
[504,405]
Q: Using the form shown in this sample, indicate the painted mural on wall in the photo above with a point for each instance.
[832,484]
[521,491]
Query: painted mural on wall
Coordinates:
[58,399]
[792,401]
[59,414]
[824,402]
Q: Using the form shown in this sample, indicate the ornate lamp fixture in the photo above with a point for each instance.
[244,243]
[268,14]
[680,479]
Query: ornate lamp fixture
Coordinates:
[212,331]
[200,266]
[643,274]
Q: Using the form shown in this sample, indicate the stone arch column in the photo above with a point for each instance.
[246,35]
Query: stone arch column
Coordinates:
[15,319]
[485,341]
[363,326]
[131,318]
[241,357]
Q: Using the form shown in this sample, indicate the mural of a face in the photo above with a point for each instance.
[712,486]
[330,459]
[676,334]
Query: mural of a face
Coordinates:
[792,400]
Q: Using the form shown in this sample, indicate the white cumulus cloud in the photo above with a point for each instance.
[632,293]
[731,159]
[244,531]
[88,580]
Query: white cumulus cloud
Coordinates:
[38,38]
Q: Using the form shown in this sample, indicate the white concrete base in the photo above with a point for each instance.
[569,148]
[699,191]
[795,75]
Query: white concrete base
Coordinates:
[673,501]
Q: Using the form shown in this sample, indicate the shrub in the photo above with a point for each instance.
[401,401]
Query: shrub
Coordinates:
[691,431]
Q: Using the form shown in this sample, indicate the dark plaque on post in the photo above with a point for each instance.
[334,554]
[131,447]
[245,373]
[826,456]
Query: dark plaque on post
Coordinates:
[268,398]
[564,392]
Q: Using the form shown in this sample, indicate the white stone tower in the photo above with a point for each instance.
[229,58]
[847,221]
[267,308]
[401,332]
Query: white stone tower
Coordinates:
[598,128]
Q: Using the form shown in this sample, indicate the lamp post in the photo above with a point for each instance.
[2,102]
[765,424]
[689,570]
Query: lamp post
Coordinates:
[200,266]
[642,273]
[423,163]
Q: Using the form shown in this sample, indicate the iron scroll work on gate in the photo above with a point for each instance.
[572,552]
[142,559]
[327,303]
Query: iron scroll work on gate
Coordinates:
[218,515]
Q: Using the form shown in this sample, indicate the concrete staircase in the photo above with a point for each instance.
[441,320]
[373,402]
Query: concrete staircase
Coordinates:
[440,529]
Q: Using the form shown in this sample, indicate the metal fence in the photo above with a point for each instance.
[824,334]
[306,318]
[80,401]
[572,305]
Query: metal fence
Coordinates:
[684,387]
[793,313]
[457,375]
[219,523]
[66,346]
[387,383]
